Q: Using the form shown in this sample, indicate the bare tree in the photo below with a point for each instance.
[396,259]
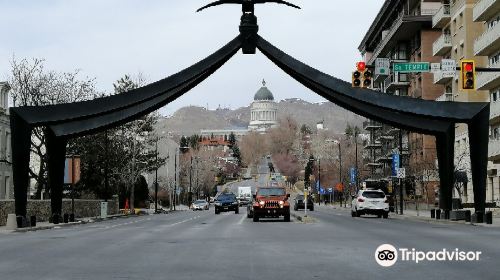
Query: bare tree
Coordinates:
[33,85]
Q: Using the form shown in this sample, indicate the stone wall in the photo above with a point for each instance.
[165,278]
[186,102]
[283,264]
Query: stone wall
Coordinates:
[41,208]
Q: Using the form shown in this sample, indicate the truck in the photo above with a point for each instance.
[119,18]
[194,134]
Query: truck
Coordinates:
[244,195]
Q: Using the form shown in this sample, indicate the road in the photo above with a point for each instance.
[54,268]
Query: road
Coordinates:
[261,179]
[190,245]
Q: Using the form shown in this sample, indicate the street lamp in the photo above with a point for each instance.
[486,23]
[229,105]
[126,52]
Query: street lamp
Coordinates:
[337,142]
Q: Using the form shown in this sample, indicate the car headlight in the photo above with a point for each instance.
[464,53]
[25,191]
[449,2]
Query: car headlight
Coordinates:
[262,203]
[282,202]
[236,202]
[218,204]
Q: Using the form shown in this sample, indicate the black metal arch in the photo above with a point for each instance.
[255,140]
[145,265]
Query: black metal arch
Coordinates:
[65,121]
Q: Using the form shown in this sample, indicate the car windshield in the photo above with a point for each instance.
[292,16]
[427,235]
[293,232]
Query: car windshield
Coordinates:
[272,192]
[299,197]
[225,197]
[199,202]
[374,194]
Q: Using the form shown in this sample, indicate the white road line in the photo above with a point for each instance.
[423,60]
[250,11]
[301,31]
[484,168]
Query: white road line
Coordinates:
[243,217]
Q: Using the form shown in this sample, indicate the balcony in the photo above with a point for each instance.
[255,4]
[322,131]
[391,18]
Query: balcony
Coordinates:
[494,150]
[485,9]
[402,29]
[494,112]
[440,78]
[488,42]
[384,159]
[442,45]
[457,6]
[442,17]
[488,80]
[371,125]
[447,96]
[373,146]
[396,80]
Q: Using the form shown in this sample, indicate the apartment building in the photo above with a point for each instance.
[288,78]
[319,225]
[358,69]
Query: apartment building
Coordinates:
[487,13]
[459,31]
[403,32]
[6,186]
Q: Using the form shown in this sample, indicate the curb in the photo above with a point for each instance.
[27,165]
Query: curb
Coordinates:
[80,222]
[302,219]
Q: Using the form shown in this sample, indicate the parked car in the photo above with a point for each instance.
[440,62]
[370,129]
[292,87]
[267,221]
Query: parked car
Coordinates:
[200,205]
[226,202]
[299,203]
[372,202]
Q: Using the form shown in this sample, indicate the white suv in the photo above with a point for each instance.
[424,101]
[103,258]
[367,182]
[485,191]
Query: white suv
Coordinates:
[370,202]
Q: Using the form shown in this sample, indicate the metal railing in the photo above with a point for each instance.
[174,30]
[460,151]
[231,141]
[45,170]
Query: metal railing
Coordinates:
[480,7]
[444,41]
[485,79]
[489,37]
[443,12]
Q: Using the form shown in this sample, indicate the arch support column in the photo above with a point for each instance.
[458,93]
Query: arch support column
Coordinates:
[445,153]
[20,143]
[478,144]
[56,156]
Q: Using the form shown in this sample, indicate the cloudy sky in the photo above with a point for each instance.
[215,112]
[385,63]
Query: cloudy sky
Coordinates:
[106,39]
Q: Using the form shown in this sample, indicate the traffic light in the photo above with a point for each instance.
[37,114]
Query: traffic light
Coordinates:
[362,77]
[367,78]
[468,71]
[357,76]
[356,79]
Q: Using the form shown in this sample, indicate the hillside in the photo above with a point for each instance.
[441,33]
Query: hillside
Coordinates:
[190,120]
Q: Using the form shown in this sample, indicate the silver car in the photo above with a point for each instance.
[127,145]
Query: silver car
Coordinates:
[200,205]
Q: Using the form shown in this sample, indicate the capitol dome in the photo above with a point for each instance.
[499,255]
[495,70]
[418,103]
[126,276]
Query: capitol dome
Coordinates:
[264,111]
[263,93]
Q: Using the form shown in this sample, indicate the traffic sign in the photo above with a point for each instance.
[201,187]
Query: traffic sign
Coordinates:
[382,66]
[435,67]
[413,67]
[448,67]
[401,173]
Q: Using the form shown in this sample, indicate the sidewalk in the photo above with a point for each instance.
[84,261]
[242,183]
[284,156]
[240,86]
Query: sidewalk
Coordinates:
[412,214]
[47,225]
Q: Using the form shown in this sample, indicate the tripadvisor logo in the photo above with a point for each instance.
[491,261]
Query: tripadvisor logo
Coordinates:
[387,255]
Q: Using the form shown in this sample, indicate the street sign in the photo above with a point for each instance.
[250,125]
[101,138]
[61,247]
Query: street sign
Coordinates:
[382,66]
[413,67]
[401,173]
[395,164]
[449,68]
[435,67]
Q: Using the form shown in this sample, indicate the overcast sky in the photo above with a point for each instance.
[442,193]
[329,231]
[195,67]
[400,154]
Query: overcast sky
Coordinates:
[109,38]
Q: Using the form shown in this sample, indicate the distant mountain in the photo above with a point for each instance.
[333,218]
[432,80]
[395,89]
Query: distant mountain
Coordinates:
[190,120]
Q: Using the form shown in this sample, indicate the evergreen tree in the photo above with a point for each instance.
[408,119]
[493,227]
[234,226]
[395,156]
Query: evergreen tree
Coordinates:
[308,171]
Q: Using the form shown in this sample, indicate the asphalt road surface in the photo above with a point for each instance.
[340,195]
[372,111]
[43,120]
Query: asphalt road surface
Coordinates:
[202,245]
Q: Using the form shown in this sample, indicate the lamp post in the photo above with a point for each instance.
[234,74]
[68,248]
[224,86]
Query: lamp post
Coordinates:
[340,166]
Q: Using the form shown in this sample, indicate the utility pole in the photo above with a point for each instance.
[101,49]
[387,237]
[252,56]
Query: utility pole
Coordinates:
[190,182]
[156,177]
[356,145]
[401,204]
[319,181]
[175,179]
[340,171]
[106,179]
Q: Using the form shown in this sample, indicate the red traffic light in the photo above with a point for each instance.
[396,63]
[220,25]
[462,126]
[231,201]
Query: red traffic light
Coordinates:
[469,67]
[361,66]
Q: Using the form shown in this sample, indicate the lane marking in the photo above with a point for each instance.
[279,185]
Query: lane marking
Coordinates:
[243,217]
